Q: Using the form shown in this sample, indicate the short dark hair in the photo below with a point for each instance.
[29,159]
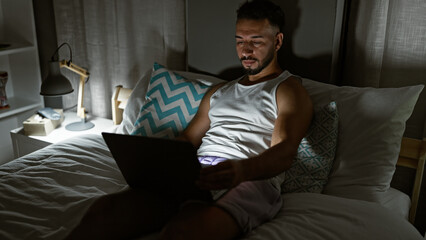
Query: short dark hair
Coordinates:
[262,9]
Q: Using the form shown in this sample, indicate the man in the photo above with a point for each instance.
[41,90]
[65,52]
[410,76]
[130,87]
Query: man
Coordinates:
[247,131]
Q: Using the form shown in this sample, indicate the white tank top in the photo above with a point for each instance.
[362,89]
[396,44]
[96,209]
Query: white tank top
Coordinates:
[242,119]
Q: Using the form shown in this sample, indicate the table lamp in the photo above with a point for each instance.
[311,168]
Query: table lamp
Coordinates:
[57,84]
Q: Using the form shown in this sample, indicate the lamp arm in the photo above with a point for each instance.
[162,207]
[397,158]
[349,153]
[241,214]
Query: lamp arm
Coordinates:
[81,112]
[73,67]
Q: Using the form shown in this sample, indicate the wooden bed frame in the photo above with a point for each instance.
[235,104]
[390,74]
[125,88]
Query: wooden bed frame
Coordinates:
[412,154]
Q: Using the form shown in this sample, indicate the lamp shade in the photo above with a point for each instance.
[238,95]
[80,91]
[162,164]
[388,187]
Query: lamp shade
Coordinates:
[55,84]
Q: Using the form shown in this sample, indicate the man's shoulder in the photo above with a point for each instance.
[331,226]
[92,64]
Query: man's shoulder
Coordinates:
[292,81]
[292,87]
[213,89]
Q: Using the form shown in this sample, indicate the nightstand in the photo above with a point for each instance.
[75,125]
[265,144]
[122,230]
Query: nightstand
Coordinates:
[23,144]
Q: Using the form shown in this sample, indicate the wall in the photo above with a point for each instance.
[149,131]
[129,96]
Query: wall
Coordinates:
[46,41]
[308,38]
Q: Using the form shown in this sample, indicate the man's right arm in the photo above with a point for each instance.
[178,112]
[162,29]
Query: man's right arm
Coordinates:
[199,125]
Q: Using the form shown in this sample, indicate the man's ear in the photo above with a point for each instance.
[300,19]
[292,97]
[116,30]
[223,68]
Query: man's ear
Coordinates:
[279,41]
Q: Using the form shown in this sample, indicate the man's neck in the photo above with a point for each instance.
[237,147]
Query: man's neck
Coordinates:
[270,72]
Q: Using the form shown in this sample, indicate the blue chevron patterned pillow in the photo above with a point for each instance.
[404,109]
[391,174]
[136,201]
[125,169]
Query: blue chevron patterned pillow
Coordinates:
[171,102]
[314,160]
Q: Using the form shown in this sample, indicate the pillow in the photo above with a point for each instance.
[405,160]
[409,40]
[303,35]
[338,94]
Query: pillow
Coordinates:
[137,98]
[171,103]
[371,126]
[311,167]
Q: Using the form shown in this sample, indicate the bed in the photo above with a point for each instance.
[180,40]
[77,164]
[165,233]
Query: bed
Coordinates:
[356,137]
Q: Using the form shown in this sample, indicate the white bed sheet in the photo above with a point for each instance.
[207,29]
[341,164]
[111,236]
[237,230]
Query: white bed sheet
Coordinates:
[319,216]
[43,196]
[397,201]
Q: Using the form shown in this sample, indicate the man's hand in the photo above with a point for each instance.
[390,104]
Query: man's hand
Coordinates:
[224,175]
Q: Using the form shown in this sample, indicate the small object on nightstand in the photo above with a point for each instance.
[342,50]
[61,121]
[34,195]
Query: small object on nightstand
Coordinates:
[49,113]
[39,126]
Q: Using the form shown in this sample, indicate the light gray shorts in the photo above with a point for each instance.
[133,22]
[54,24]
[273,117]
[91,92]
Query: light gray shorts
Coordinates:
[251,203]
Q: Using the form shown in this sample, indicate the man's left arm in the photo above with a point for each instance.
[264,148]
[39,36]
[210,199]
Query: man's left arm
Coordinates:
[294,116]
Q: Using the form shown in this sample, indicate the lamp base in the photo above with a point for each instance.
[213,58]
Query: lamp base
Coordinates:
[79,126]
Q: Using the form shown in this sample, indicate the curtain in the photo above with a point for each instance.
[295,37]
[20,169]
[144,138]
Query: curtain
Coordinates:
[118,41]
[386,47]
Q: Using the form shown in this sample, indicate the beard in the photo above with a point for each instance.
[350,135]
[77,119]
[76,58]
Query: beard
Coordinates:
[265,63]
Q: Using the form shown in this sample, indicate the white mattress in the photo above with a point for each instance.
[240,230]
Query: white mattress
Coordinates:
[43,196]
[397,201]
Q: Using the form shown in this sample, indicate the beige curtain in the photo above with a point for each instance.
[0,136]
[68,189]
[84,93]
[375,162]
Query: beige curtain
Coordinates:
[386,47]
[117,41]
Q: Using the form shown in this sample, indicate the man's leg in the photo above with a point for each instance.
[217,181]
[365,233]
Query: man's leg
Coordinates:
[235,213]
[123,215]
[198,220]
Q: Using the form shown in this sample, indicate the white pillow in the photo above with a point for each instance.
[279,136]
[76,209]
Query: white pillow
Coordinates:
[137,98]
[134,103]
[371,126]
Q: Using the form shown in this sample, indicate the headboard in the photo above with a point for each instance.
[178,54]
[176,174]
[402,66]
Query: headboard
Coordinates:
[412,154]
[119,102]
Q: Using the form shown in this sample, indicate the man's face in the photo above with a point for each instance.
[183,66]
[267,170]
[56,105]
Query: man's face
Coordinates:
[256,44]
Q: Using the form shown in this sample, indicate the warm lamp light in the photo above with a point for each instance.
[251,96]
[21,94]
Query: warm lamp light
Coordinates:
[57,84]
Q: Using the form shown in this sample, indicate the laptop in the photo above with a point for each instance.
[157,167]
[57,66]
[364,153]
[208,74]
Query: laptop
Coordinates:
[166,167]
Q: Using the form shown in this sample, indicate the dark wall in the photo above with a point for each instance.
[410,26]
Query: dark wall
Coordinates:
[46,41]
[46,31]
